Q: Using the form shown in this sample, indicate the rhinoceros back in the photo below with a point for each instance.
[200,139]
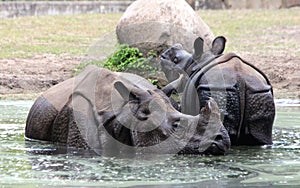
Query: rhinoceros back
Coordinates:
[40,119]
[50,109]
[244,96]
[65,112]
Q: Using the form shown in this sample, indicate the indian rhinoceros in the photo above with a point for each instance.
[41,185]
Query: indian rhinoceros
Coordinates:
[242,92]
[115,113]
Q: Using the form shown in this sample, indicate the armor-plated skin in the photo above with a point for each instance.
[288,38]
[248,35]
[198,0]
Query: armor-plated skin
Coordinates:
[116,113]
[242,92]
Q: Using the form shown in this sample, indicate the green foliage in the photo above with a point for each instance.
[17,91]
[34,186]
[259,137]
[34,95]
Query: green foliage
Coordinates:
[127,59]
[153,81]
[130,59]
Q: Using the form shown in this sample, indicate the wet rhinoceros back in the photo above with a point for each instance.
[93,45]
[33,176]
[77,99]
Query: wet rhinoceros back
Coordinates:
[40,119]
[244,96]
[42,115]
[51,116]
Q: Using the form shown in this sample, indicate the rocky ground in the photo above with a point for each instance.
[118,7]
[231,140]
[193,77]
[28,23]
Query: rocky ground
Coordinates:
[280,64]
[283,72]
[26,78]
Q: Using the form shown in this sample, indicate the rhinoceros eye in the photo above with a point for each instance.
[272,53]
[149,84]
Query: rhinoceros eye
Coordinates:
[176,59]
[146,111]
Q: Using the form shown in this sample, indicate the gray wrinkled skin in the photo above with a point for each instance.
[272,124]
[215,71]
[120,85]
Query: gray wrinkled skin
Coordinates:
[116,114]
[242,92]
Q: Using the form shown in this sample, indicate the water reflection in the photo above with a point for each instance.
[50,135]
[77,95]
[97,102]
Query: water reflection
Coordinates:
[43,164]
[14,112]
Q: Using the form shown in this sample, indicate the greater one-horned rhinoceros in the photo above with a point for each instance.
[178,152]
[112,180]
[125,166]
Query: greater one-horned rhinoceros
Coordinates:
[114,113]
[243,93]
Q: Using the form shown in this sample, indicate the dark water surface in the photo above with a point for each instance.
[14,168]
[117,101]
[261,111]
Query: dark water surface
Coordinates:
[24,164]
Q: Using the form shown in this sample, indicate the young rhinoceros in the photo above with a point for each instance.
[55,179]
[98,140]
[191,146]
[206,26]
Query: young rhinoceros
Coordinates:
[242,92]
[114,113]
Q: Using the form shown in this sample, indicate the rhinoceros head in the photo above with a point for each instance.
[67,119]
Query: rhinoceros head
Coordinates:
[148,123]
[176,61]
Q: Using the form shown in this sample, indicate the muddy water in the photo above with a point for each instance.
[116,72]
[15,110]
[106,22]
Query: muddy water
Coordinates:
[24,164]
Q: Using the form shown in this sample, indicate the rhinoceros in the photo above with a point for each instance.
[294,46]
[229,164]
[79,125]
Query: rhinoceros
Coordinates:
[242,91]
[113,113]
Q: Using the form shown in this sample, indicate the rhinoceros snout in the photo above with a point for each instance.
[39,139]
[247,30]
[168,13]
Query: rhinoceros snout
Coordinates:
[221,144]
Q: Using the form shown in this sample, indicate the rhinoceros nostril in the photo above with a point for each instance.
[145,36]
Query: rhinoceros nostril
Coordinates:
[175,124]
[219,138]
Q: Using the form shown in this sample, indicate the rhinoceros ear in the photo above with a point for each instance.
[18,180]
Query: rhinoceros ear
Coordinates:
[198,48]
[218,45]
[125,93]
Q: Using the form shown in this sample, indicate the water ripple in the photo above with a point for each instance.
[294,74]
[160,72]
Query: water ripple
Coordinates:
[44,164]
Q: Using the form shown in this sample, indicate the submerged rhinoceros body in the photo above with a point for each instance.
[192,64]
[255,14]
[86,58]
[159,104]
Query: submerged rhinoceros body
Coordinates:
[113,113]
[243,93]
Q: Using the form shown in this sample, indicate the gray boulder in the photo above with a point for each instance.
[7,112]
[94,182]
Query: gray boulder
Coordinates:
[158,24]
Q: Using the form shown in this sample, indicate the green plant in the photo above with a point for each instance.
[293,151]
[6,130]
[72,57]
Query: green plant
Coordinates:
[127,59]
[130,59]
[124,58]
[153,81]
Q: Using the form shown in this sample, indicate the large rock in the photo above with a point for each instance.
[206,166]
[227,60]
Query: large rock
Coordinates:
[157,24]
